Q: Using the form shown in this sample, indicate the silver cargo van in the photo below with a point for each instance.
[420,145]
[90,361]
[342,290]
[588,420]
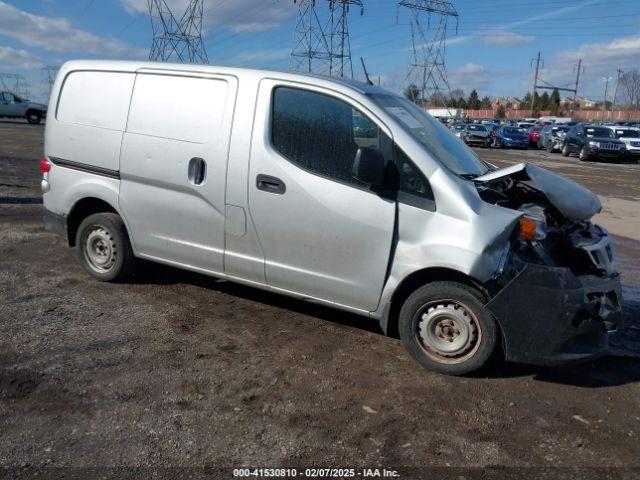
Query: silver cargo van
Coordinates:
[332,191]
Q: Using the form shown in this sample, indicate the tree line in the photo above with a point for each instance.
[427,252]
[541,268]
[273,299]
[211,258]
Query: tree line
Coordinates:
[628,88]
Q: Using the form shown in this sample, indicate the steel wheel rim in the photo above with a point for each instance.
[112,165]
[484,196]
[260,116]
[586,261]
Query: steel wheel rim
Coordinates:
[447,331]
[100,249]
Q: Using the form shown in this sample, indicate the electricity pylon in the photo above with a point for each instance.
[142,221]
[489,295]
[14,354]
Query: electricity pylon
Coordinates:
[177,40]
[49,74]
[428,70]
[321,44]
[15,83]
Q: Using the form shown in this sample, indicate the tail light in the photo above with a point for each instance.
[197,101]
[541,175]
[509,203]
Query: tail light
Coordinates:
[45,166]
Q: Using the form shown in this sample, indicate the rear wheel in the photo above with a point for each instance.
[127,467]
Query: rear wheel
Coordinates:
[104,249]
[446,328]
[549,147]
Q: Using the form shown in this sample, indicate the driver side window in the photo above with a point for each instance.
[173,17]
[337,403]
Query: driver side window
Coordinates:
[320,133]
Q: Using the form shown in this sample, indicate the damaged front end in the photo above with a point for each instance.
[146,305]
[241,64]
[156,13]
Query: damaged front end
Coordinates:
[558,295]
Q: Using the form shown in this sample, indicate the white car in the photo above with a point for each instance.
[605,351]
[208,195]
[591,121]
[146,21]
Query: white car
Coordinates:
[631,137]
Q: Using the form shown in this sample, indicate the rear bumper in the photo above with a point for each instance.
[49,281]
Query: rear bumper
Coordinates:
[550,317]
[55,223]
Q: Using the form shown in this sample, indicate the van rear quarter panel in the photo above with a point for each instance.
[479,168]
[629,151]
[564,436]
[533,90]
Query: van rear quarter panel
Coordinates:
[90,117]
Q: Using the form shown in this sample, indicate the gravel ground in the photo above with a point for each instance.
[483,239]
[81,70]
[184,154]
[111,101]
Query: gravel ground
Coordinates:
[176,369]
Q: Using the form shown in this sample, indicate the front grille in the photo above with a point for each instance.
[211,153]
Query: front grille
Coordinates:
[609,146]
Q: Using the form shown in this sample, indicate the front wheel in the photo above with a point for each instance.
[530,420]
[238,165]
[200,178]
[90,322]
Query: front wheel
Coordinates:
[584,155]
[565,150]
[104,249]
[446,328]
[34,118]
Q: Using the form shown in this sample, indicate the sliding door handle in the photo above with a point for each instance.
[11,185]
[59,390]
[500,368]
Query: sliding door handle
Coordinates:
[270,184]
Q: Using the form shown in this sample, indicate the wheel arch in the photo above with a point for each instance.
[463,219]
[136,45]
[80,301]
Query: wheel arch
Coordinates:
[82,209]
[415,280]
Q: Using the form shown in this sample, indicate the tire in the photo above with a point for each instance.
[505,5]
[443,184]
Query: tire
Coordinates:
[583,156]
[549,147]
[565,150]
[104,249]
[33,117]
[446,328]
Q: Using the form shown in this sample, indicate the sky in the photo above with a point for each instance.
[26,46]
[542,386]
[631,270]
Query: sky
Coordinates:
[491,48]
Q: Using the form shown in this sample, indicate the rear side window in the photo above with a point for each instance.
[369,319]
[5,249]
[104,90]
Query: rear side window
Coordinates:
[320,133]
[178,108]
[96,99]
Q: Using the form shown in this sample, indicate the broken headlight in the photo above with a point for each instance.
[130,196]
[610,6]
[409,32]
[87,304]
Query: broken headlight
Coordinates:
[533,224]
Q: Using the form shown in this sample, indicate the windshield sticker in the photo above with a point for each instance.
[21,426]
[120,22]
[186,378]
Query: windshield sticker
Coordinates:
[404,116]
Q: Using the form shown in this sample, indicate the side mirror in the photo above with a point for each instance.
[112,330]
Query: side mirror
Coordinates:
[369,167]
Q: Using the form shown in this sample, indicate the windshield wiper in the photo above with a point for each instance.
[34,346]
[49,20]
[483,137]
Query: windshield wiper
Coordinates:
[468,176]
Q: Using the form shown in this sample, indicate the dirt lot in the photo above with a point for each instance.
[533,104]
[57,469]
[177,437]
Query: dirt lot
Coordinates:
[179,370]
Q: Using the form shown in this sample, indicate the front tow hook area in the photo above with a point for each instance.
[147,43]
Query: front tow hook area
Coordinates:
[549,316]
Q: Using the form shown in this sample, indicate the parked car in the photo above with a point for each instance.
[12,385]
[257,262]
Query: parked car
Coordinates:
[13,106]
[458,129]
[631,137]
[592,142]
[476,135]
[511,137]
[552,137]
[534,135]
[259,177]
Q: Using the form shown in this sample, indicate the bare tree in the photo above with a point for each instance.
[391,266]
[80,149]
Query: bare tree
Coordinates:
[630,82]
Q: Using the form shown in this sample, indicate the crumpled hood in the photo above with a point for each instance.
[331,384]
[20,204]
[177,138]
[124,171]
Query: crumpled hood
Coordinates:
[477,133]
[571,199]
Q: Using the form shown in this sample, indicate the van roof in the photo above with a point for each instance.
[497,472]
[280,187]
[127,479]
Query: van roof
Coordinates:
[134,66]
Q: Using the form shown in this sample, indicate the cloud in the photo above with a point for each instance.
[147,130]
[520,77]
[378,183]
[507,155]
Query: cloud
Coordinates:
[469,76]
[59,35]
[237,15]
[505,38]
[600,59]
[620,52]
[11,58]
[518,23]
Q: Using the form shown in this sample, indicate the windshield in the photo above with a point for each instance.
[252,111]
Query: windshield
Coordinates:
[459,126]
[434,137]
[627,133]
[511,130]
[477,128]
[600,132]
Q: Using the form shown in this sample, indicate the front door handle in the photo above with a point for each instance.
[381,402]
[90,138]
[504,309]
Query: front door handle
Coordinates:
[270,184]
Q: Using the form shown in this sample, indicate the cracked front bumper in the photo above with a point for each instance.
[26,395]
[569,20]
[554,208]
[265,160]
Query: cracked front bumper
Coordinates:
[550,317]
